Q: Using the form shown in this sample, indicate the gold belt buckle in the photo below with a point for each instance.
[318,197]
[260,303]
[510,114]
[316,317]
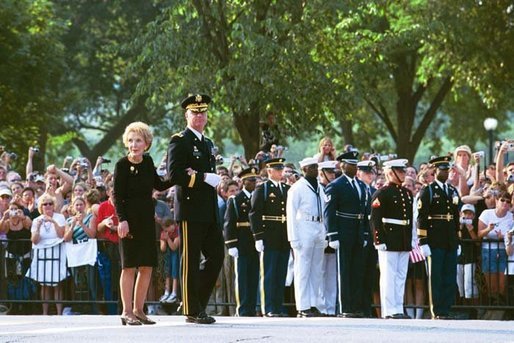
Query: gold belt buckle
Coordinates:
[283,220]
[448,217]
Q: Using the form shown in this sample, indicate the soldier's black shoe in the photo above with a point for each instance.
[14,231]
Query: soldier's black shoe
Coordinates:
[398,316]
[316,312]
[201,318]
[306,314]
[349,315]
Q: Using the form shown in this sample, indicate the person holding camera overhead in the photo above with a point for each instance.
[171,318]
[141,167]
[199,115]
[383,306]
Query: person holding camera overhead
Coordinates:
[504,174]
[135,177]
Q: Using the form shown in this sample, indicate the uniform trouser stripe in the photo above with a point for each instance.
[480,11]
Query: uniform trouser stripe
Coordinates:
[430,299]
[263,295]
[339,292]
[236,285]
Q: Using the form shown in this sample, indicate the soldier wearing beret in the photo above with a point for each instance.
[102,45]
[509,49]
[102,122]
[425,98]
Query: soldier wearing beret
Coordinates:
[269,226]
[391,220]
[438,225]
[346,219]
[241,245]
[191,167]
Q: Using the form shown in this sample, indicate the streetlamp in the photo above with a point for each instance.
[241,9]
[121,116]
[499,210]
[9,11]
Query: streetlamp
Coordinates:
[490,125]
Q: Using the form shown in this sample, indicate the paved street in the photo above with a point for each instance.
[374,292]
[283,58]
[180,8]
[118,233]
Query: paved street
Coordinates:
[75,329]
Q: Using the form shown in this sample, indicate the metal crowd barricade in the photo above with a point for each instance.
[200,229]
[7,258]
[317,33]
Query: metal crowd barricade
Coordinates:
[83,291]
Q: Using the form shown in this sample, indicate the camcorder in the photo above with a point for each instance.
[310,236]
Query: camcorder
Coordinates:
[105,160]
[35,149]
[479,154]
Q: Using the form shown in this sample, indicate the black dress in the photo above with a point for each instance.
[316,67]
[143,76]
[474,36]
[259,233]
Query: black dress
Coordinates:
[133,186]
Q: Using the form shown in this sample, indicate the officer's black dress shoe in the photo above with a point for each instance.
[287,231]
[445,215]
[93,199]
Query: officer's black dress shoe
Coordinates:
[442,317]
[349,315]
[398,316]
[306,314]
[201,318]
[316,312]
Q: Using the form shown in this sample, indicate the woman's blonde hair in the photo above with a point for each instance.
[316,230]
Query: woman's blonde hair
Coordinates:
[332,153]
[141,129]
[42,199]
[71,209]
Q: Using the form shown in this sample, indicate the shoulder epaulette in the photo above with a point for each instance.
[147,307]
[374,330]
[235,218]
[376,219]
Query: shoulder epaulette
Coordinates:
[178,134]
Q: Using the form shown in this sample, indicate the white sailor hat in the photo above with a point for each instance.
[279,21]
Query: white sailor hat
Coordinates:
[366,165]
[327,165]
[308,161]
[400,163]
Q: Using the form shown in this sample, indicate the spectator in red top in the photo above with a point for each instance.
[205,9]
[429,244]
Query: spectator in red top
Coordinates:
[108,255]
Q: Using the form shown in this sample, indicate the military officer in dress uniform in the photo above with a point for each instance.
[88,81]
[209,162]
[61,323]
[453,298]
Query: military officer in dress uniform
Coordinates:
[438,226]
[346,220]
[328,288]
[269,225]
[241,245]
[191,167]
[366,173]
[391,219]
[306,235]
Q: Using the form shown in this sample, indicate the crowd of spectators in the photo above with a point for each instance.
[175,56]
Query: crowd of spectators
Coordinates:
[59,239]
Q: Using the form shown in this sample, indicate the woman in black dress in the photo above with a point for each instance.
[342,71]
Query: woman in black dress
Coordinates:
[134,179]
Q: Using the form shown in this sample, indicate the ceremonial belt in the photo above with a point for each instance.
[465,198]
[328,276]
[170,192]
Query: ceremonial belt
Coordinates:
[350,215]
[243,224]
[302,216]
[281,218]
[396,221]
[447,217]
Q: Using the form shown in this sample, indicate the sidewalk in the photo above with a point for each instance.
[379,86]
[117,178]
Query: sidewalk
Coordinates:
[78,329]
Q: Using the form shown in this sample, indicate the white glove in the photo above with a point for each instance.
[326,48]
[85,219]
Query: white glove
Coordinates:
[296,245]
[365,243]
[233,252]
[212,179]
[425,250]
[259,245]
[381,247]
[334,245]
[459,250]
[413,243]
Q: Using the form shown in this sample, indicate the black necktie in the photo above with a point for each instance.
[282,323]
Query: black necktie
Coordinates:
[355,187]
[445,189]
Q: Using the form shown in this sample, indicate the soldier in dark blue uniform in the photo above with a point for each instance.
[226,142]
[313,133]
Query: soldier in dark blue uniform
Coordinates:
[366,173]
[438,225]
[346,221]
[391,219]
[191,167]
[241,245]
[268,223]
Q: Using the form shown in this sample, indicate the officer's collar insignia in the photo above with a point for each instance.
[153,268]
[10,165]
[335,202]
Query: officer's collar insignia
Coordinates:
[420,204]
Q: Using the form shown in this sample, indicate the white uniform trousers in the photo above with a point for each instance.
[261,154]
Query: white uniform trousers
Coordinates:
[327,296]
[308,263]
[393,273]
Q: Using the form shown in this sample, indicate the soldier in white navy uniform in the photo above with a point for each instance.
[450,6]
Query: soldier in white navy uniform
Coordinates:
[306,235]
[391,220]
[328,288]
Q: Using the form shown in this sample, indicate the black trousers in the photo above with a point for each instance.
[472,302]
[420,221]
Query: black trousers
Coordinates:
[199,238]
[247,283]
[351,274]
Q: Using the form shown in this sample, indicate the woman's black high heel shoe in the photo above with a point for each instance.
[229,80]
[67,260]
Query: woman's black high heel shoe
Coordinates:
[144,321]
[130,321]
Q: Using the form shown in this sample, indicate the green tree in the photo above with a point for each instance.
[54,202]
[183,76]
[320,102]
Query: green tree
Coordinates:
[31,65]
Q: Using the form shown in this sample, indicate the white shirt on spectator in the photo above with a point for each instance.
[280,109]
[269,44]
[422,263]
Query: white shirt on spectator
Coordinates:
[503,224]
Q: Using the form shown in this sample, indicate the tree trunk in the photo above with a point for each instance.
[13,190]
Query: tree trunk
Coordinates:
[115,132]
[247,125]
[346,131]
